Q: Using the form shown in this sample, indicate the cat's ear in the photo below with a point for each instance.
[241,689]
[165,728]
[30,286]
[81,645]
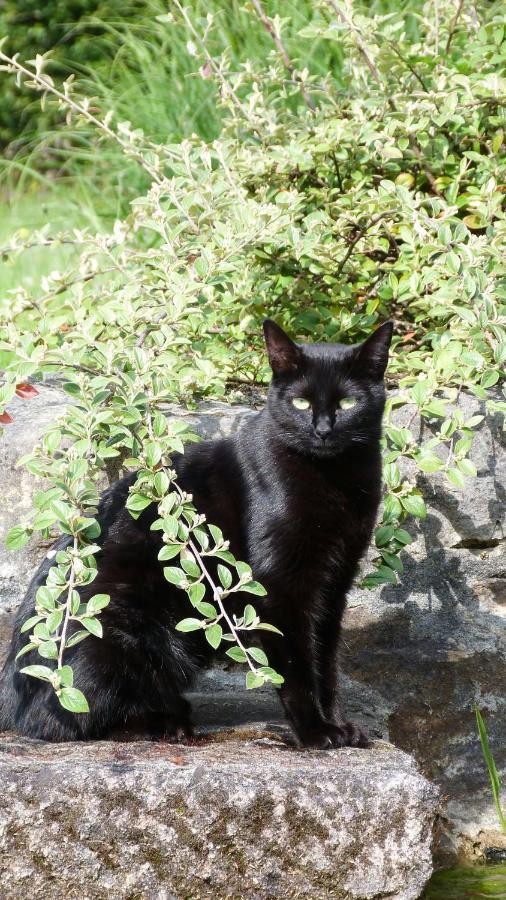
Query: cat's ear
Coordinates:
[284,355]
[372,356]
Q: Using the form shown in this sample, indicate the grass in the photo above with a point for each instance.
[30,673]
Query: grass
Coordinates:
[492,770]
[467,884]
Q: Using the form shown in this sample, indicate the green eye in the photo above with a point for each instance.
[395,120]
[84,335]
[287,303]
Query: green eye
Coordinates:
[300,403]
[347,402]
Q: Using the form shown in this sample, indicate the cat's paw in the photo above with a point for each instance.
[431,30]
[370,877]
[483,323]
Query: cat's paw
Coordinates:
[173,731]
[331,737]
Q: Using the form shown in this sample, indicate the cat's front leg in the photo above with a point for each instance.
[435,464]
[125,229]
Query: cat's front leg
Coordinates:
[294,656]
[328,638]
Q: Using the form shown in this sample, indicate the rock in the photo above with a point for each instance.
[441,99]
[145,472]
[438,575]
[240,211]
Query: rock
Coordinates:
[416,656]
[230,819]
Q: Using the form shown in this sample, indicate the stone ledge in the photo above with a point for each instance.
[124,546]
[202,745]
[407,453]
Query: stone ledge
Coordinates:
[219,819]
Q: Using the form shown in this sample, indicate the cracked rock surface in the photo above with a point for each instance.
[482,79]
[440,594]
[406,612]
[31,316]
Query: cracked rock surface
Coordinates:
[416,656]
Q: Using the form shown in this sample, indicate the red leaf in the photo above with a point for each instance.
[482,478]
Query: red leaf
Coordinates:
[26,391]
[5,418]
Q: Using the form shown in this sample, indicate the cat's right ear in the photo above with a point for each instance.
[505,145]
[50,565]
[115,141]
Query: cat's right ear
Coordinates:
[284,355]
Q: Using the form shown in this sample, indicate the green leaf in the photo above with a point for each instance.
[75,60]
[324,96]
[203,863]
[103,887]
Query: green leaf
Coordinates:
[258,655]
[73,700]
[196,592]
[42,672]
[175,576]
[96,603]
[383,535]
[489,378]
[266,626]
[26,649]
[249,614]
[415,505]
[76,638]
[44,520]
[237,654]
[136,503]
[456,478]
[54,620]
[392,509]
[467,467]
[382,575]
[66,676]
[169,552]
[393,561]
[153,454]
[435,408]
[254,681]
[190,567]
[225,576]
[206,609]
[429,462]
[214,635]
[47,596]
[254,587]
[189,625]
[26,626]
[402,536]
[216,534]
[93,626]
[17,537]
[48,650]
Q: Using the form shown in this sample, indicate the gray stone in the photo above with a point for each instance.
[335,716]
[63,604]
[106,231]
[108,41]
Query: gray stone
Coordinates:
[229,819]
[416,656]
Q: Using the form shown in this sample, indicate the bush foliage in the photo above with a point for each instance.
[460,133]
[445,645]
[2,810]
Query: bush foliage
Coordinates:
[327,209]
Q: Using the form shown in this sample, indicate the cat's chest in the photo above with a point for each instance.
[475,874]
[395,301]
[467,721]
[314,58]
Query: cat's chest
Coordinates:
[309,527]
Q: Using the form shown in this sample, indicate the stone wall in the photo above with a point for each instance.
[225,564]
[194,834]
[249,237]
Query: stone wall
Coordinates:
[417,656]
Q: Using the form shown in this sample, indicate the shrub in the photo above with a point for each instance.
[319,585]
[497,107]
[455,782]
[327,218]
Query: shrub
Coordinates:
[327,209]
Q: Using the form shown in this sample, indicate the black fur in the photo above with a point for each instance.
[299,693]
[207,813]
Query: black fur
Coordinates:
[296,492]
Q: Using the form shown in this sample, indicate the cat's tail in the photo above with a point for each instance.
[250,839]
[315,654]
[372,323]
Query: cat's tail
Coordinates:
[7,698]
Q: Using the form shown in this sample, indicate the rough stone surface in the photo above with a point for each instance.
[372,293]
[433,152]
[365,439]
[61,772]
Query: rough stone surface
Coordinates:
[229,819]
[417,656]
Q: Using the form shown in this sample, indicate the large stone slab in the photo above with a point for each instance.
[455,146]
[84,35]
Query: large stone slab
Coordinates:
[417,656]
[229,819]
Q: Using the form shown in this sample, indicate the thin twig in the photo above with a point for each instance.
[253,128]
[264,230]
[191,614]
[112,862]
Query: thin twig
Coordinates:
[149,328]
[361,47]
[217,598]
[338,171]
[210,61]
[408,65]
[276,37]
[65,287]
[453,26]
[68,606]
[47,87]
[355,241]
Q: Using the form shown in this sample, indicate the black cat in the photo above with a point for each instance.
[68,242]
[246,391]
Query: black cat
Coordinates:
[296,492]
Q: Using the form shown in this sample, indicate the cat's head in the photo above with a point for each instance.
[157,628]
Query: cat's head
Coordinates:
[327,398]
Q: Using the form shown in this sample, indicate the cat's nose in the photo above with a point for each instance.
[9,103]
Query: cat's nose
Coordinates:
[323,428]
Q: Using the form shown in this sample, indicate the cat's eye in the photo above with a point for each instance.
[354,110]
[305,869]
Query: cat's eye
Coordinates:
[347,402]
[300,403]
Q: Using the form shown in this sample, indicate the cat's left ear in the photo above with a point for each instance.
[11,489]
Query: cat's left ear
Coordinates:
[372,355]
[284,355]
